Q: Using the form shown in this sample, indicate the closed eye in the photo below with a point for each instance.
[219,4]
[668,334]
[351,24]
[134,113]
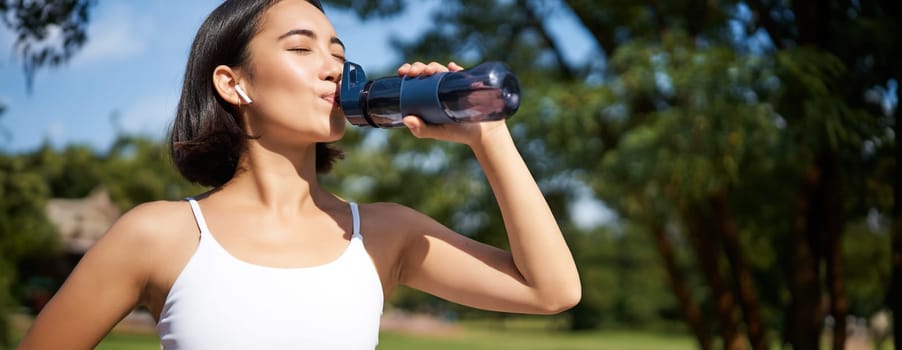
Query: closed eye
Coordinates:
[340,58]
[300,50]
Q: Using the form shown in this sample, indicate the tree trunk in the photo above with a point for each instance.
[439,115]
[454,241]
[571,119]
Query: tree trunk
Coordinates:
[894,296]
[838,303]
[704,244]
[5,337]
[690,308]
[7,270]
[745,286]
[805,315]
[834,223]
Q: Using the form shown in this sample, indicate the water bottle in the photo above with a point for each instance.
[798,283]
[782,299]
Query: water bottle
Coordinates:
[489,91]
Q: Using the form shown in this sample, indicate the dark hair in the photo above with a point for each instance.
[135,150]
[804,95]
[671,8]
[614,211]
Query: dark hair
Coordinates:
[207,137]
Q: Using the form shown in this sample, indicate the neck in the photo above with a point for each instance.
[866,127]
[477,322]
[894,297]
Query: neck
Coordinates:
[281,179]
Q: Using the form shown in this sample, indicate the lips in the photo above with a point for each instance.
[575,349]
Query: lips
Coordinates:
[330,98]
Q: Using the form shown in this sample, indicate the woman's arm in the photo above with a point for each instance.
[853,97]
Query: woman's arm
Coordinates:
[104,287]
[538,275]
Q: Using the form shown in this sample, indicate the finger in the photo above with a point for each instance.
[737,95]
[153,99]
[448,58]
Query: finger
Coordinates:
[435,67]
[454,67]
[416,69]
[403,69]
[414,124]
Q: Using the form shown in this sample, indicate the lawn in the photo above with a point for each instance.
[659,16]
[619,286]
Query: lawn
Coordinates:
[475,340]
[502,340]
[521,333]
[532,333]
[478,335]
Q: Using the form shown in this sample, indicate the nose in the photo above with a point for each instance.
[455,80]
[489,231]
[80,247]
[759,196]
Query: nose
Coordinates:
[331,70]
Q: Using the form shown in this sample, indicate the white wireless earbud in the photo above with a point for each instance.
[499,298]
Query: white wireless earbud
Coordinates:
[242,94]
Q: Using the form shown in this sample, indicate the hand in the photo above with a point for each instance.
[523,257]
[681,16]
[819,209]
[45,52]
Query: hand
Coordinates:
[472,134]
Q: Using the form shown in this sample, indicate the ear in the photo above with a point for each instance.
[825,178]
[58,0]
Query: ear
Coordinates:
[225,79]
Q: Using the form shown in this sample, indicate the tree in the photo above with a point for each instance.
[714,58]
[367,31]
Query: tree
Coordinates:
[24,230]
[48,32]
[699,108]
[134,170]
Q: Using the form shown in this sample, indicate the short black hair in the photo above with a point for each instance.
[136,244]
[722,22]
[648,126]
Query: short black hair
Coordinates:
[207,137]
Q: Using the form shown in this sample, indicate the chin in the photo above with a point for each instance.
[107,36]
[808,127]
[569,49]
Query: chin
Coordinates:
[337,125]
[334,133]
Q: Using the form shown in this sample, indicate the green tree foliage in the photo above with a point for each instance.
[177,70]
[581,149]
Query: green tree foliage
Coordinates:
[748,138]
[24,230]
[134,170]
[48,32]
[748,149]
[71,172]
[138,169]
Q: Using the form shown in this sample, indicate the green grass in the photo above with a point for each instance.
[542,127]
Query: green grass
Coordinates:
[502,340]
[520,334]
[485,336]
[116,341]
[533,333]
[475,340]
[515,333]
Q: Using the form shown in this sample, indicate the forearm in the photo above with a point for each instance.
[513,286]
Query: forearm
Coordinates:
[539,250]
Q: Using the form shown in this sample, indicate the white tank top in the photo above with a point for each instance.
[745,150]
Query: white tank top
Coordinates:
[221,302]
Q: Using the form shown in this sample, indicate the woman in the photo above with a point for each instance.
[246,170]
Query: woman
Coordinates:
[268,258]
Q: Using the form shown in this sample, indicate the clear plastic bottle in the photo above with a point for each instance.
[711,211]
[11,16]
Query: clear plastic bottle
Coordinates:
[489,91]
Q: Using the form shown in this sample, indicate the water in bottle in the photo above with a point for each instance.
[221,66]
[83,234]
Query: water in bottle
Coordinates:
[489,91]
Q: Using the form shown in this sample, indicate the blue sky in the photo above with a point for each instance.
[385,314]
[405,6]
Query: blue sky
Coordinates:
[132,66]
[133,63]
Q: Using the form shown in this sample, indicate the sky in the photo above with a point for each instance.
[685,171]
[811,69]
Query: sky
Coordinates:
[128,75]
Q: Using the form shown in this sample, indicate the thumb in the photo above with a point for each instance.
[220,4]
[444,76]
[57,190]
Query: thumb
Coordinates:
[416,125]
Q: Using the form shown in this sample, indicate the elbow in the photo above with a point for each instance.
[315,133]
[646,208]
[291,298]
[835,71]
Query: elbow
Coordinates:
[562,300]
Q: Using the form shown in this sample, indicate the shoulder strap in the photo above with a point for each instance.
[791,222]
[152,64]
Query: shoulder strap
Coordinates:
[198,216]
[356,215]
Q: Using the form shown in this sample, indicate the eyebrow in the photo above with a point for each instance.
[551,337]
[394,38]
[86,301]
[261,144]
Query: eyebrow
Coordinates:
[309,33]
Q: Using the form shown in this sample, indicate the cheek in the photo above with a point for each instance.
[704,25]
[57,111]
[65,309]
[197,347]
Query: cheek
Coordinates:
[284,73]
[291,85]
[286,95]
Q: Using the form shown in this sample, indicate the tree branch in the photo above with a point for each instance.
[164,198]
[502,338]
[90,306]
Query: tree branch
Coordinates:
[533,21]
[603,37]
[767,22]
[894,293]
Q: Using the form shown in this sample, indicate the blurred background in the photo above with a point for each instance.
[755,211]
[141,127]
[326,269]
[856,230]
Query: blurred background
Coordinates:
[726,172]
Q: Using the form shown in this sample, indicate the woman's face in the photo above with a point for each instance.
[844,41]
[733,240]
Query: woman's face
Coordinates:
[295,64]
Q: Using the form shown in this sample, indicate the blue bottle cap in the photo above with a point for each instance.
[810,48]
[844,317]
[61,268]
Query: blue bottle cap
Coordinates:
[352,101]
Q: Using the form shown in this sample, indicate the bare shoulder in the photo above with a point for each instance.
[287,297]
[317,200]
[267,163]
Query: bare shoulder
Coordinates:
[111,277]
[152,241]
[152,225]
[385,218]
[398,226]
[154,219]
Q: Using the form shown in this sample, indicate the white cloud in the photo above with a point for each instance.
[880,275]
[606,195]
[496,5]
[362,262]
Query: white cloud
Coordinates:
[117,32]
[150,116]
